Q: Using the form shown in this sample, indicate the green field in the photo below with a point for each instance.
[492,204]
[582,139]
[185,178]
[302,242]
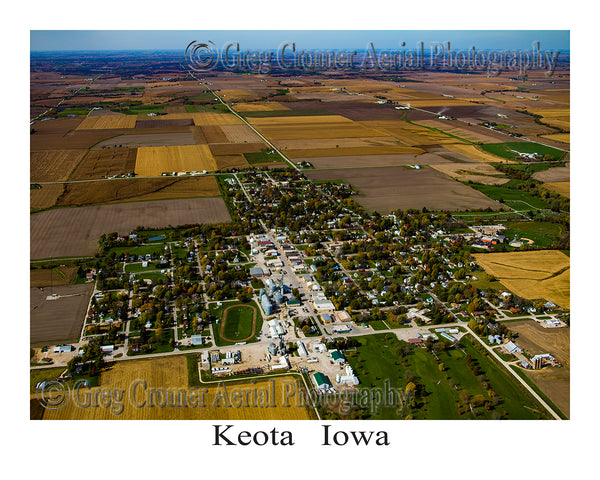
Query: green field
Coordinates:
[263,157]
[505,150]
[143,109]
[78,111]
[542,233]
[514,198]
[236,323]
[382,358]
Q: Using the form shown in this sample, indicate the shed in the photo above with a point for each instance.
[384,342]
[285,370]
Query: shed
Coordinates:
[321,380]
[197,340]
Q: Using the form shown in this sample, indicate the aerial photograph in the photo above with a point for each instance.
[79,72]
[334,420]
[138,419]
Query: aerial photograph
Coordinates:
[299,225]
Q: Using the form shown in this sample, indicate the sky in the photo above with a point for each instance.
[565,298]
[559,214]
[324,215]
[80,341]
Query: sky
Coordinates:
[56,40]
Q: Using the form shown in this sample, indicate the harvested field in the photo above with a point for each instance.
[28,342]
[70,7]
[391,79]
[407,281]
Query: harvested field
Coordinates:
[73,140]
[238,95]
[452,128]
[137,189]
[309,132]
[175,109]
[105,162]
[474,172]
[209,118]
[183,122]
[61,319]
[153,161]
[375,161]
[554,174]
[388,188]
[554,382]
[300,120]
[260,107]
[541,274]
[172,398]
[107,122]
[352,152]
[53,165]
[336,143]
[214,134]
[559,137]
[475,153]
[240,134]
[562,188]
[231,161]
[236,148]
[411,134]
[46,277]
[199,136]
[75,231]
[44,197]
[148,140]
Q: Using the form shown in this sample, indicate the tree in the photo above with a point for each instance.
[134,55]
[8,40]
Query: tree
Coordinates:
[441,367]
[410,389]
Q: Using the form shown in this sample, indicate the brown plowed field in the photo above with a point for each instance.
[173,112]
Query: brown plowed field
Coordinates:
[388,188]
[137,189]
[260,107]
[61,319]
[149,140]
[231,161]
[75,231]
[73,140]
[105,162]
[53,165]
[214,134]
[300,120]
[46,196]
[235,148]
[183,122]
[554,174]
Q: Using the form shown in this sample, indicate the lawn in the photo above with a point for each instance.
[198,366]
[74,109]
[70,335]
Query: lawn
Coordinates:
[542,233]
[509,149]
[238,322]
[263,157]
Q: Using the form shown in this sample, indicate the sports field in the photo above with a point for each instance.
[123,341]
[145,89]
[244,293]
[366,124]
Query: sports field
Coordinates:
[541,274]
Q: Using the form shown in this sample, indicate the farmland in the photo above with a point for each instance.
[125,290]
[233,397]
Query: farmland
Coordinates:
[165,395]
[153,161]
[542,274]
[61,319]
[52,277]
[107,122]
[54,165]
[75,231]
[105,162]
[151,139]
[45,196]
[137,189]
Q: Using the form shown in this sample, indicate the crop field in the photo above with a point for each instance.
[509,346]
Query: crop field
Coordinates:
[137,189]
[167,396]
[209,118]
[451,128]
[230,161]
[375,160]
[352,151]
[411,134]
[554,382]
[44,197]
[214,134]
[76,139]
[559,137]
[554,174]
[61,319]
[46,277]
[302,131]
[300,120]
[562,188]
[240,134]
[105,162]
[75,231]
[53,165]
[148,140]
[336,143]
[153,161]
[474,172]
[106,122]
[475,153]
[236,148]
[238,95]
[386,188]
[260,107]
[541,274]
[182,122]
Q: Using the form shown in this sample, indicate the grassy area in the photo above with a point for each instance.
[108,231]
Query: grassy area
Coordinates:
[516,199]
[509,149]
[542,233]
[378,325]
[485,281]
[78,111]
[143,109]
[236,321]
[192,368]
[263,157]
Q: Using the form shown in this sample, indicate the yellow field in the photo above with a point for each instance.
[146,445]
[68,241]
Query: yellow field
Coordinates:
[559,122]
[338,143]
[157,389]
[562,188]
[211,119]
[352,151]
[103,122]
[475,172]
[302,120]
[153,161]
[240,134]
[532,275]
[260,107]
[238,94]
[559,137]
[474,153]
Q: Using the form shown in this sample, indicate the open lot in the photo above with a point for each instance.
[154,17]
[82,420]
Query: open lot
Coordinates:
[137,189]
[541,274]
[170,374]
[554,382]
[75,231]
[389,188]
[53,165]
[61,319]
[153,161]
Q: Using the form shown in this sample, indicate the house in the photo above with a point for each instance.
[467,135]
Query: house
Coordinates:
[416,341]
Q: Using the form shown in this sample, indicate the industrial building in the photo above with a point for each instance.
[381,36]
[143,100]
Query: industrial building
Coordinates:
[321,381]
[349,378]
